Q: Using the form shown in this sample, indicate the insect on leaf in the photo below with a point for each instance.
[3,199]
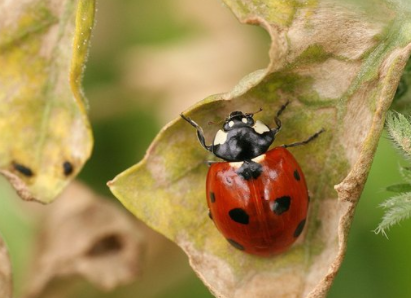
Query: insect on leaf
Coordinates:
[339,64]
[45,133]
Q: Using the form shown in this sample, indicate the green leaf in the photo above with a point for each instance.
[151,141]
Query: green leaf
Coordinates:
[45,132]
[402,98]
[405,187]
[397,208]
[399,129]
[406,173]
[339,63]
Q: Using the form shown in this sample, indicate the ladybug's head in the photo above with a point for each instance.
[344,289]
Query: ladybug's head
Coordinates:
[238,119]
[241,138]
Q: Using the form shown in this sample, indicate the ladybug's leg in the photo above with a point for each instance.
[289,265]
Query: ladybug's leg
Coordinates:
[200,133]
[277,118]
[314,136]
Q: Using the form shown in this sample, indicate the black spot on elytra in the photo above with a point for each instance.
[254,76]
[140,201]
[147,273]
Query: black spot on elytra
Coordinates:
[210,215]
[297,175]
[212,197]
[26,171]
[239,215]
[250,170]
[235,244]
[67,168]
[281,205]
[299,228]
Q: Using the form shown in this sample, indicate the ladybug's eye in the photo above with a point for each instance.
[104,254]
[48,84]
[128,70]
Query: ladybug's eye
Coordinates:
[244,120]
[231,123]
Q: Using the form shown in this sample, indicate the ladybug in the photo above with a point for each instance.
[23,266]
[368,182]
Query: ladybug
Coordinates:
[257,198]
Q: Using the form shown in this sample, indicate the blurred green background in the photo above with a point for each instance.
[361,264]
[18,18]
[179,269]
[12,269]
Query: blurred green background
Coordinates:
[148,62]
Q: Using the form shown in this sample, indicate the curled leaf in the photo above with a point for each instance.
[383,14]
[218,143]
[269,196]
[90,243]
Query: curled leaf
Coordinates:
[86,236]
[45,132]
[339,63]
[5,272]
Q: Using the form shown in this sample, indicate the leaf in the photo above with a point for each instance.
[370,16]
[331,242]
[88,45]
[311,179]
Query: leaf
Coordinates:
[85,236]
[5,272]
[397,208]
[406,173]
[404,187]
[402,96]
[399,129]
[46,136]
[339,63]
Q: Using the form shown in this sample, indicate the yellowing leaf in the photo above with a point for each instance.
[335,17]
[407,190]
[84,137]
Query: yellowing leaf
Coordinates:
[44,130]
[339,64]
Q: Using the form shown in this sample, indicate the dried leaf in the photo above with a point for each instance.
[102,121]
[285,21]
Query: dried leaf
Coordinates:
[5,272]
[339,63]
[46,136]
[86,236]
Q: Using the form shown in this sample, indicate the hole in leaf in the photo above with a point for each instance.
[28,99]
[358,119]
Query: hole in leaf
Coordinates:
[106,245]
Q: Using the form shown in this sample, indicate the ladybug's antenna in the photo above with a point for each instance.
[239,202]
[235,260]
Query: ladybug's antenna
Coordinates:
[212,123]
[252,114]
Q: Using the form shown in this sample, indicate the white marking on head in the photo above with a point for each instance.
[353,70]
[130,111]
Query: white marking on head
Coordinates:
[244,120]
[220,137]
[260,127]
[231,123]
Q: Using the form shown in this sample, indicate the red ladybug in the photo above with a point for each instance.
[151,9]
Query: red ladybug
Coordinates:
[258,199]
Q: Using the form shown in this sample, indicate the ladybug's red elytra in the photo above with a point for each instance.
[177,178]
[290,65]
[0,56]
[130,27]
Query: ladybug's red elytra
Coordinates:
[257,198]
